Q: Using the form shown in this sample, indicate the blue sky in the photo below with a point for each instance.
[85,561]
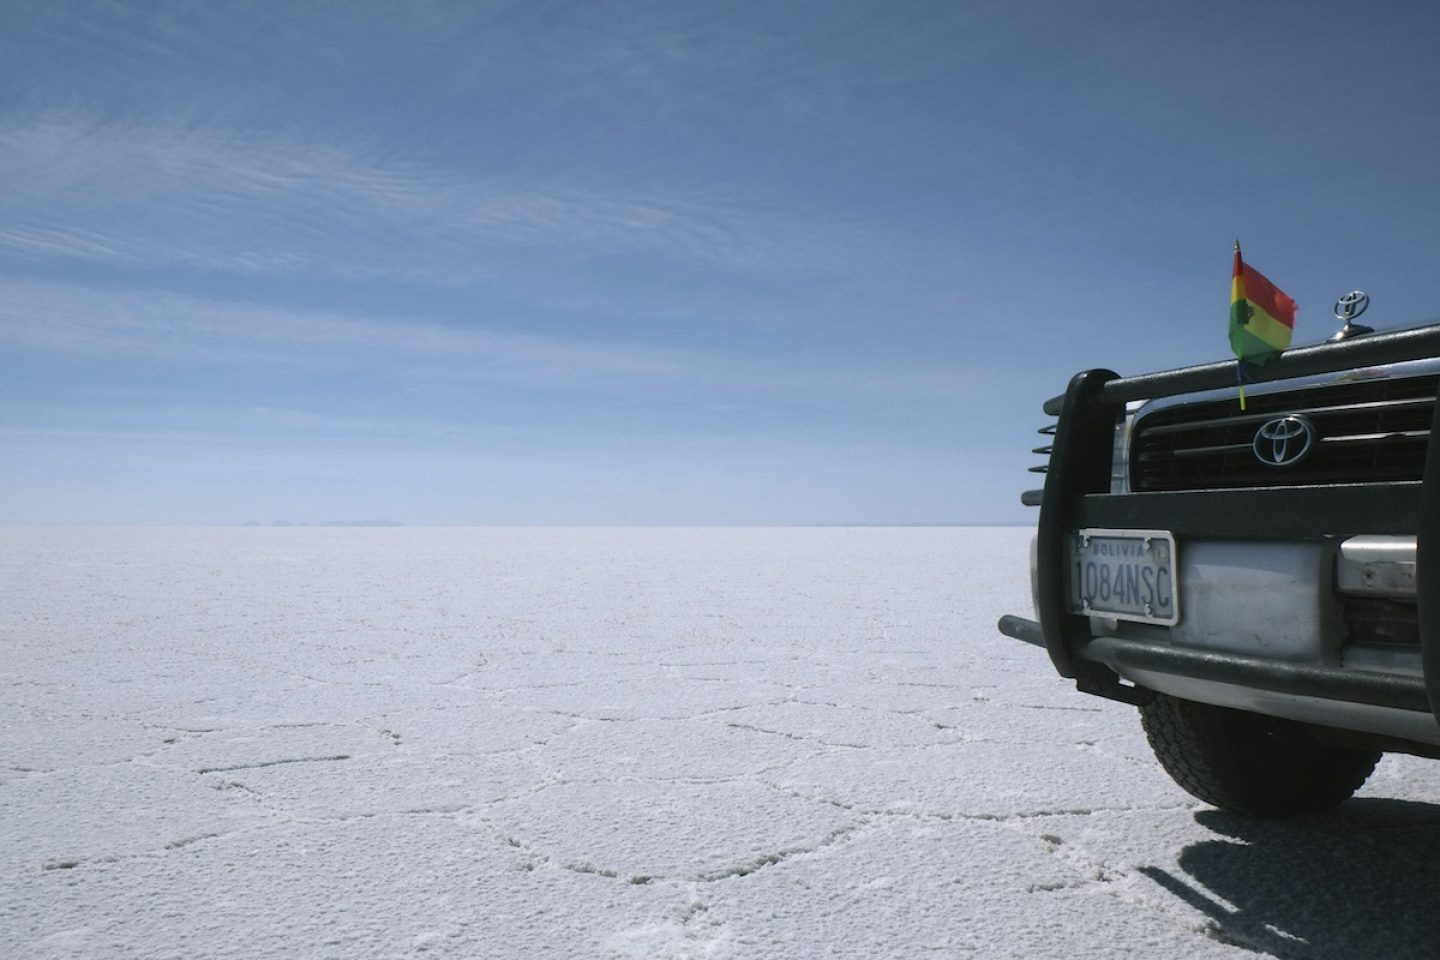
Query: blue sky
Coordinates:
[551,262]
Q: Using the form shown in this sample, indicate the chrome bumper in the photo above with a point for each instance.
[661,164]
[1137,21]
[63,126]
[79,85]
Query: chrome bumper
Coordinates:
[1291,663]
[1377,567]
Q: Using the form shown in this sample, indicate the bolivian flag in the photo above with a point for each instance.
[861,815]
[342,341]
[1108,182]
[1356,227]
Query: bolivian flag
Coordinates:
[1262,318]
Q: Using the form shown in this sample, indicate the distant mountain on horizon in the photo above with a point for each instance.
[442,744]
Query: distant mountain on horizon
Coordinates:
[325,523]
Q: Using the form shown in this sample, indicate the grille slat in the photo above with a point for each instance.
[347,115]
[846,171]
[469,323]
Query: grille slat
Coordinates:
[1201,451]
[1367,430]
[1378,437]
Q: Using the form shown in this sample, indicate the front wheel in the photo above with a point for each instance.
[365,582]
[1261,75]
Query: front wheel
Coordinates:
[1251,764]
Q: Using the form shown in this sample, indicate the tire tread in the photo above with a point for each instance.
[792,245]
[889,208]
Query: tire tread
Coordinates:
[1251,764]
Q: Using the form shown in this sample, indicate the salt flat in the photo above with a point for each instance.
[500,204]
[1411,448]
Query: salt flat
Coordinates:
[652,743]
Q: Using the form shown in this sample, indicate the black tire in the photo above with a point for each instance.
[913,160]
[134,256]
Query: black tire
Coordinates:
[1251,764]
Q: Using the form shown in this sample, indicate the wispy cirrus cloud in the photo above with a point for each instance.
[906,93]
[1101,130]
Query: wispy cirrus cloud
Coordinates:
[185,332]
[169,194]
[177,335]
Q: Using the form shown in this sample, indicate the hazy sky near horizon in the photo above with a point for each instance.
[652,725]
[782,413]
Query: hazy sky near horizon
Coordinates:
[656,262]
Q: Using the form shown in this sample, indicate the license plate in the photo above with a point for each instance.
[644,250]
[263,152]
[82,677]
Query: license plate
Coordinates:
[1126,574]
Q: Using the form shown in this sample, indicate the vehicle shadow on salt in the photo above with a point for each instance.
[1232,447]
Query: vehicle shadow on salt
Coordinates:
[1358,882]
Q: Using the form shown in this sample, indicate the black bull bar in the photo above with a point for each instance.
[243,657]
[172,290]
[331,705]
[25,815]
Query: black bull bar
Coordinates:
[1077,494]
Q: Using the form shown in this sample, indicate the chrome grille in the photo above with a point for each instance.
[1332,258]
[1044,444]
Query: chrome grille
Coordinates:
[1368,431]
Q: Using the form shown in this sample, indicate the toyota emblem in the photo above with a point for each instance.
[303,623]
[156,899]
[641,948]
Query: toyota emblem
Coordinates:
[1284,441]
[1351,305]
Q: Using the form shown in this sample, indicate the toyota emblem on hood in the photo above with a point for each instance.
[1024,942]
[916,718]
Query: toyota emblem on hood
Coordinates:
[1284,441]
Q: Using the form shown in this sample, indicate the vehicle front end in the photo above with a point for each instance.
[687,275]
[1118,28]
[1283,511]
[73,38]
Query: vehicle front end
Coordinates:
[1261,562]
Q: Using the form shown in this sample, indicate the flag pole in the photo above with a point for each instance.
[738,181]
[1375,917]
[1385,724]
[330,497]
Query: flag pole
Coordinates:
[1239,360]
